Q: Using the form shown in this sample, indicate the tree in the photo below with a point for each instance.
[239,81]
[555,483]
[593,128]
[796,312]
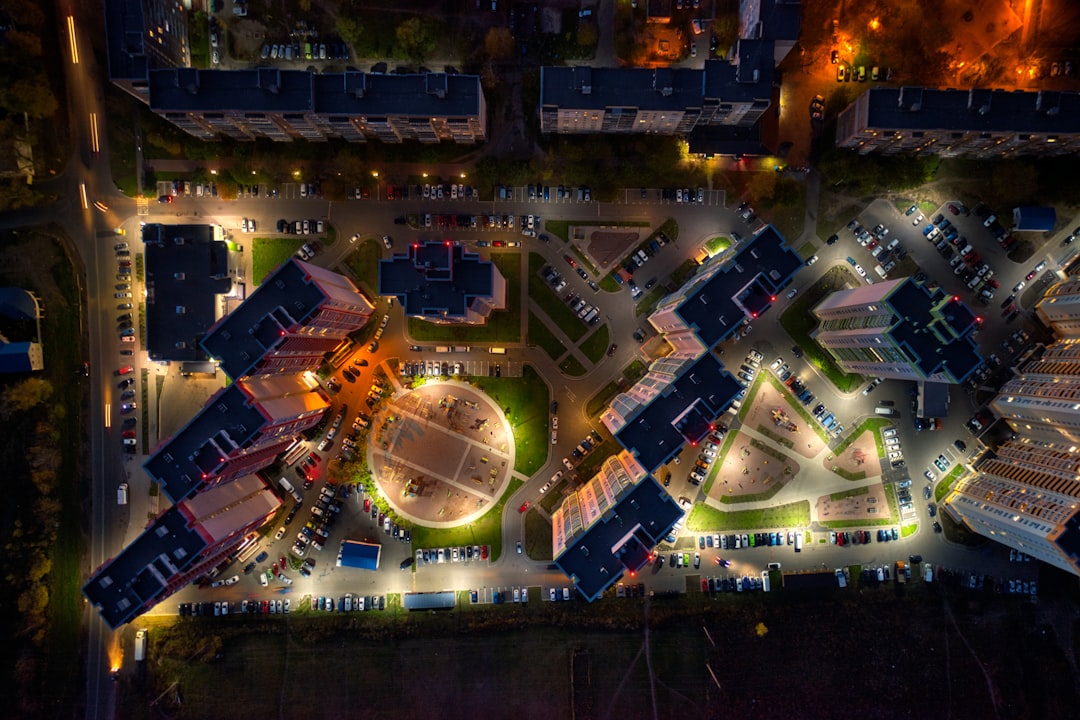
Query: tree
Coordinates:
[762,186]
[24,395]
[24,44]
[499,43]
[587,35]
[416,37]
[350,31]
[30,95]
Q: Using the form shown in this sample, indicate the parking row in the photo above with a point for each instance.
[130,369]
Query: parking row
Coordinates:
[439,556]
[863,537]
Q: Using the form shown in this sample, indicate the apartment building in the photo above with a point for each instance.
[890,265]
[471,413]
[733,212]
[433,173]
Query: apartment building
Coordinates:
[899,329]
[977,123]
[441,282]
[1026,497]
[141,35]
[1042,401]
[287,105]
[181,544]
[1059,308]
[610,525]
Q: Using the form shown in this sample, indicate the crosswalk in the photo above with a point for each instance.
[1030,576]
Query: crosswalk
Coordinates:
[142,206]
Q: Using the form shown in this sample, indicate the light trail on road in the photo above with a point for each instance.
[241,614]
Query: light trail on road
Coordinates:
[73,40]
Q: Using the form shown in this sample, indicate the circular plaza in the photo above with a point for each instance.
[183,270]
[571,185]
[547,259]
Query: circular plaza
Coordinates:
[441,453]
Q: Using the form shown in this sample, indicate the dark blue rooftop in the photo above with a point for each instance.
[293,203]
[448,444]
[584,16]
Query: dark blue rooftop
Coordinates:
[1034,218]
[227,421]
[934,330]
[359,555]
[742,288]
[165,549]
[437,279]
[285,298]
[621,540]
[684,413]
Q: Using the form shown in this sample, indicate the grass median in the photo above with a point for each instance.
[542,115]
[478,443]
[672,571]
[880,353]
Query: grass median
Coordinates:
[267,253]
[799,322]
[553,306]
[596,344]
[792,515]
[539,334]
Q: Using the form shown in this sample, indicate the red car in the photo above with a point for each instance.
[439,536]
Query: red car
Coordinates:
[367,504]
[524,506]
[483,552]
[953,209]
[281,562]
[572,261]
[129,433]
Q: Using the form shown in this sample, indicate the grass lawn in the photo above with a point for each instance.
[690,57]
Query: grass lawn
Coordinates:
[648,301]
[537,536]
[874,423]
[501,326]
[558,228]
[552,305]
[596,344]
[630,375]
[540,335]
[364,262]
[799,322]
[528,402]
[609,284]
[572,366]
[792,515]
[485,531]
[947,482]
[717,244]
[268,253]
[909,529]
[682,273]
[807,250]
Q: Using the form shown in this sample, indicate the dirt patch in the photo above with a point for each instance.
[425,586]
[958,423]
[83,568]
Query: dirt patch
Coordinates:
[776,412]
[606,246]
[748,469]
[860,456]
[868,505]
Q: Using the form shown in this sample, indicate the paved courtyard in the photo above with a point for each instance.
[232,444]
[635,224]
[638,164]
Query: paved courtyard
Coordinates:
[441,453]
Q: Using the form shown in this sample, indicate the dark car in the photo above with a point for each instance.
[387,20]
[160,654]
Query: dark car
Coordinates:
[832,239]
[406,563]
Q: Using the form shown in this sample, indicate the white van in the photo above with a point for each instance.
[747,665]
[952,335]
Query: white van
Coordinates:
[122,494]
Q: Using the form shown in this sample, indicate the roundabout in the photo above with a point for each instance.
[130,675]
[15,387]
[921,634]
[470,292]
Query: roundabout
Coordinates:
[441,454]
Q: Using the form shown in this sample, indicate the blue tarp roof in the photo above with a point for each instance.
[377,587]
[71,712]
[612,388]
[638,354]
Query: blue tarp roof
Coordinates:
[359,555]
[1032,217]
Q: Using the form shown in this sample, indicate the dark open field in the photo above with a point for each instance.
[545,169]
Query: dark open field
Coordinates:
[869,653]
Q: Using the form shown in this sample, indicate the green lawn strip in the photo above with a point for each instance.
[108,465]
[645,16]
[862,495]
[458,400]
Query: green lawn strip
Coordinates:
[682,273]
[571,366]
[669,227]
[868,424]
[751,397]
[501,325]
[775,437]
[759,497]
[580,254]
[609,284]
[539,334]
[848,475]
[792,515]
[267,253]
[485,531]
[558,228]
[630,375]
[648,301]
[553,497]
[909,529]
[552,305]
[799,322]
[715,469]
[807,250]
[596,344]
[717,244]
[947,482]
[837,524]
[528,401]
[537,536]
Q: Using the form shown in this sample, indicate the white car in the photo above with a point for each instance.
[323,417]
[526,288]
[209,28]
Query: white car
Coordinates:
[859,269]
[554,422]
[890,433]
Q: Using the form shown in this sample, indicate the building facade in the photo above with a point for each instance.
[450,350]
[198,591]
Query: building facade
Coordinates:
[1043,400]
[1028,498]
[611,525]
[1059,309]
[899,329]
[658,101]
[141,35]
[976,123]
[181,544]
[287,105]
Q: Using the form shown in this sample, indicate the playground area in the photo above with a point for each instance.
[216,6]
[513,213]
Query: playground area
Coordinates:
[865,503]
[861,456]
[775,412]
[441,453]
[751,468]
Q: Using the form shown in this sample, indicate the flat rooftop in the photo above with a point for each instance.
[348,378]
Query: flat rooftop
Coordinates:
[975,110]
[186,271]
[684,413]
[436,279]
